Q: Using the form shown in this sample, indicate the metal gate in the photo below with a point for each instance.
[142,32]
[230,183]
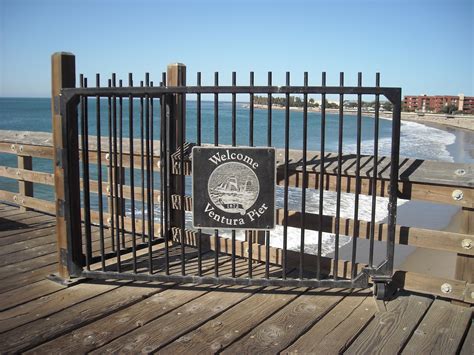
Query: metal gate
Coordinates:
[126,156]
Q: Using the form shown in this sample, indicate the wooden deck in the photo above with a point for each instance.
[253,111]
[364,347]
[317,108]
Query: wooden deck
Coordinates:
[39,316]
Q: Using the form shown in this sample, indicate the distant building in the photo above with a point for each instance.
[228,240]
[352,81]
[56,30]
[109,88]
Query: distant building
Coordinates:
[425,103]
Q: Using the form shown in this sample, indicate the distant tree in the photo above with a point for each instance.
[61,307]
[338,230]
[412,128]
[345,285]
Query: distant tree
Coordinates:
[387,106]
[449,109]
[350,104]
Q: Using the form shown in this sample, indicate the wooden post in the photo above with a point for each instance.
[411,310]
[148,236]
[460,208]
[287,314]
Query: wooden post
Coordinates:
[176,76]
[25,188]
[465,263]
[66,167]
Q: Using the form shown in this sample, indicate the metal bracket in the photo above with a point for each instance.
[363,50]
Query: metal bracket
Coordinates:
[65,282]
[61,213]
[57,104]
[60,157]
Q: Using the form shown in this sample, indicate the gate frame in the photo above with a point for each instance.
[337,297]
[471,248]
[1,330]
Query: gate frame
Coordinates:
[65,99]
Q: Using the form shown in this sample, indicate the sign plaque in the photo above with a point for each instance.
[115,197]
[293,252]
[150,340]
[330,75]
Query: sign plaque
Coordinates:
[233,188]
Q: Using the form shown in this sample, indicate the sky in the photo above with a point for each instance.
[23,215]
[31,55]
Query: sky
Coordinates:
[422,46]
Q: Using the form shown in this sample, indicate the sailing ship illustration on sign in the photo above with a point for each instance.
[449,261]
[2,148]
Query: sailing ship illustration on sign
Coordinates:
[233,187]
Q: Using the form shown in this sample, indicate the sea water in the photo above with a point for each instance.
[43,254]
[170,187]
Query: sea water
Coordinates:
[417,141]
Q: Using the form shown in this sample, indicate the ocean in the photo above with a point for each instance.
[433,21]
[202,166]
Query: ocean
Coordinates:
[417,141]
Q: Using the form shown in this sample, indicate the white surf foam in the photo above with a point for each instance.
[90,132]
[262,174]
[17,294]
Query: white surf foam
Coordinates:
[416,141]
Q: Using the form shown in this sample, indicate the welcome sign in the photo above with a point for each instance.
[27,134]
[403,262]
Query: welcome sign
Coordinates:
[233,188]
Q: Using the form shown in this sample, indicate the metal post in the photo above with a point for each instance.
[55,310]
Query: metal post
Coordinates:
[176,76]
[66,168]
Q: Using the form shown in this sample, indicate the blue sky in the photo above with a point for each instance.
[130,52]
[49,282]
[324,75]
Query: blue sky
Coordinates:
[423,46]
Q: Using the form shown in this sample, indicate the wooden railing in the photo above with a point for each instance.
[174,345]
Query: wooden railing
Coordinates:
[439,182]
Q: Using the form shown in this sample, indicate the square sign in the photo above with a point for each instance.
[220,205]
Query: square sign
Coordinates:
[233,188]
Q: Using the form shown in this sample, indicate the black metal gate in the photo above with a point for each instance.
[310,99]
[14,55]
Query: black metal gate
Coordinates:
[136,190]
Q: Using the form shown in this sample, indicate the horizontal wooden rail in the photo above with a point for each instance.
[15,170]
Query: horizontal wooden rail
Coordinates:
[27,175]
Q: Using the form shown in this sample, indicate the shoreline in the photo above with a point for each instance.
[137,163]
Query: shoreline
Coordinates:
[460,122]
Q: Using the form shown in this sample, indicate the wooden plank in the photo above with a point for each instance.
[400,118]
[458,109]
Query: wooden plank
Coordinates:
[28,234]
[465,260]
[28,265]
[423,283]
[284,327]
[468,345]
[30,202]
[11,227]
[11,212]
[217,334]
[28,254]
[129,319]
[441,329]
[27,175]
[91,336]
[78,313]
[16,246]
[26,278]
[27,293]
[336,329]
[66,174]
[53,303]
[338,336]
[40,145]
[18,215]
[32,150]
[160,332]
[390,330]
[4,207]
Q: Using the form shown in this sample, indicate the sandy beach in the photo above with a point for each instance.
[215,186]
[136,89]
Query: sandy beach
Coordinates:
[457,121]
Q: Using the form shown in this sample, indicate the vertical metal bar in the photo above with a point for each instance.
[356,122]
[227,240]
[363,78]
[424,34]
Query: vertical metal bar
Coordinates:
[182,136]
[394,171]
[269,144]
[121,171]
[305,182]
[142,163]
[251,113]
[375,173]
[216,143]
[152,166]
[199,128]
[358,182]
[85,172]
[234,143]
[117,203]
[111,173]
[269,112]
[339,179]
[132,172]
[321,174]
[286,176]
[164,174]
[148,171]
[251,143]
[99,176]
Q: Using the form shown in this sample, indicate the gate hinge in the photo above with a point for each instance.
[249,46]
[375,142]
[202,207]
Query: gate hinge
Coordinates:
[63,256]
[60,157]
[57,103]
[60,208]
